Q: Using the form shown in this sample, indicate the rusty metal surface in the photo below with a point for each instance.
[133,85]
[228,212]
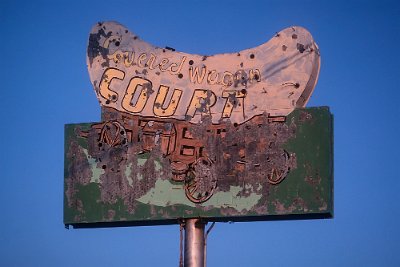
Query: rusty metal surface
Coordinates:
[219,137]
[138,78]
[131,169]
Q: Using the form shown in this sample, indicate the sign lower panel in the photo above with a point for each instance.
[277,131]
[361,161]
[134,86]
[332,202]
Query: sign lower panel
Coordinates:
[131,170]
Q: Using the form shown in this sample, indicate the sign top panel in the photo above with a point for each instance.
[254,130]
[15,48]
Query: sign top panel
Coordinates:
[135,77]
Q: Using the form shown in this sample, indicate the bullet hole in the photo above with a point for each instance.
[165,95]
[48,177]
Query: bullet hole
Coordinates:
[294,36]
[124,142]
[107,102]
[301,48]
[113,97]
[256,77]
[104,167]
[135,37]
[191,62]
[117,43]
[296,85]
[180,75]
[238,54]
[126,31]
[284,47]
[122,132]
[100,144]
[244,91]
[235,125]
[252,56]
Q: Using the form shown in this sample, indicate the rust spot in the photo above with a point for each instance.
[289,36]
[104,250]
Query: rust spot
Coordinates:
[305,116]
[110,215]
[312,176]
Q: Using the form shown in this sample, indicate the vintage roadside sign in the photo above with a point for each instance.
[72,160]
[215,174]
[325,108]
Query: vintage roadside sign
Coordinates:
[223,137]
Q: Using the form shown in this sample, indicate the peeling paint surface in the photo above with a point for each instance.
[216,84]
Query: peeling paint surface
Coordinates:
[144,171]
[222,137]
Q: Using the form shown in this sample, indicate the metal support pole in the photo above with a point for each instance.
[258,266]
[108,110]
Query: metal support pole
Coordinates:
[194,243]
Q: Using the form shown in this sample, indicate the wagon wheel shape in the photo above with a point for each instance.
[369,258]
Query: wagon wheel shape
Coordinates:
[113,134]
[201,181]
[278,173]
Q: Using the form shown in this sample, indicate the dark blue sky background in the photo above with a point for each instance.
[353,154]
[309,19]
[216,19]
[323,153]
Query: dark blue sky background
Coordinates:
[45,84]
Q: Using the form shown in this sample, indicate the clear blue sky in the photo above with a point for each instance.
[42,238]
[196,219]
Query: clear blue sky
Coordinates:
[45,84]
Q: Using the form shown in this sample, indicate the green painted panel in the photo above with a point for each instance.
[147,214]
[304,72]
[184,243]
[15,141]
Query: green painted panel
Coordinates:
[129,170]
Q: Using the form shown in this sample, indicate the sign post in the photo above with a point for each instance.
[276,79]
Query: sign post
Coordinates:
[199,138]
[194,243]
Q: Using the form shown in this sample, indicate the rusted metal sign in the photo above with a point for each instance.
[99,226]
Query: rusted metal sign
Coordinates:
[182,136]
[135,77]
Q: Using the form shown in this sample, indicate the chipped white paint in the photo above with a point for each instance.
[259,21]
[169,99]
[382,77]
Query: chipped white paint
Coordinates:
[133,76]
